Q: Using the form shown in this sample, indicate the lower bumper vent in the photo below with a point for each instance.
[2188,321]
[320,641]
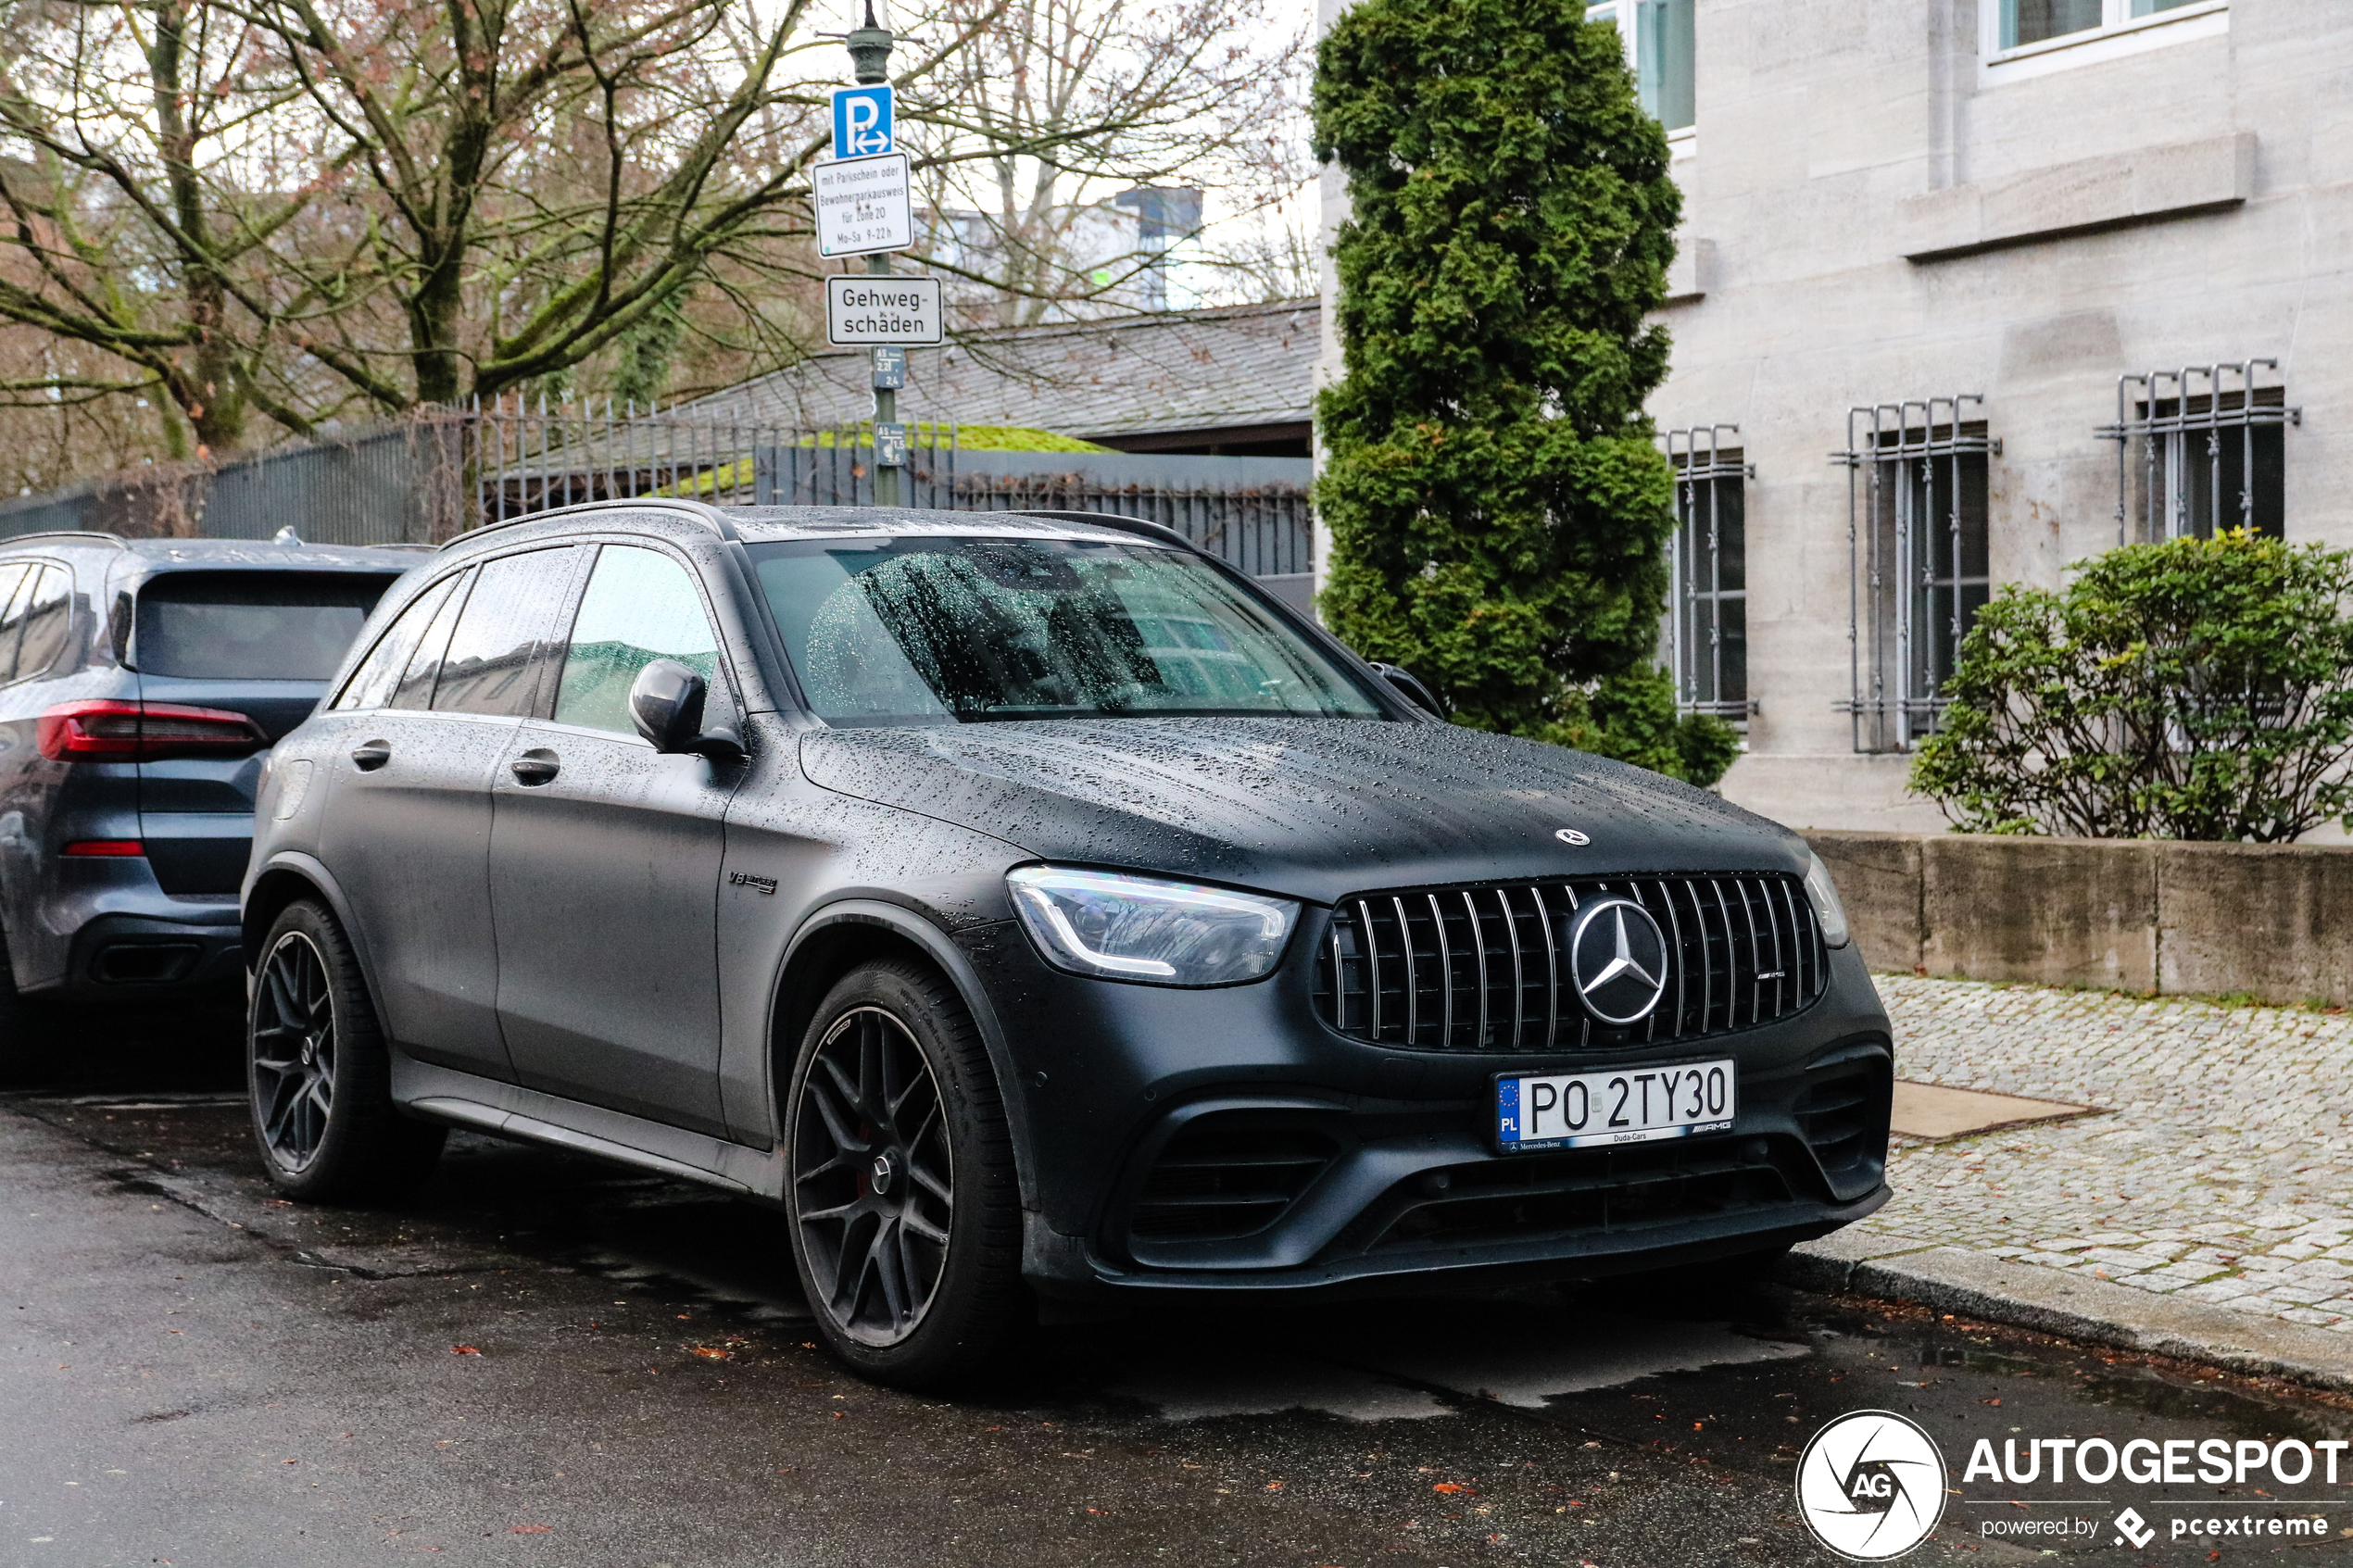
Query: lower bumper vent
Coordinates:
[1844,1112]
[1533,1197]
[1221,1179]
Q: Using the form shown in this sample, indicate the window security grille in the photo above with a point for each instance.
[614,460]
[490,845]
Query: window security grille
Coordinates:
[2199,448]
[1708,608]
[1917,553]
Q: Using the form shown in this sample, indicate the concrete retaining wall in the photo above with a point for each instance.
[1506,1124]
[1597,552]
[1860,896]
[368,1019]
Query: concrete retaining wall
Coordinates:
[2272,920]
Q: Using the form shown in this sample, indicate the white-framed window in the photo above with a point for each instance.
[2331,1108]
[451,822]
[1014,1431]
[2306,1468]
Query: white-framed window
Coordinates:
[1708,602]
[2024,29]
[1661,47]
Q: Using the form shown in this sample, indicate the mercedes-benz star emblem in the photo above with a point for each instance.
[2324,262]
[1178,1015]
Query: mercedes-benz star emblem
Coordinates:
[1571,837]
[1618,956]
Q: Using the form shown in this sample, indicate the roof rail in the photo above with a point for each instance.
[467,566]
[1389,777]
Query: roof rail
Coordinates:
[115,539]
[1159,531]
[709,517]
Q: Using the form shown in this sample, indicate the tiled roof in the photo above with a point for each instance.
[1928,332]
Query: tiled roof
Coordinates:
[1195,369]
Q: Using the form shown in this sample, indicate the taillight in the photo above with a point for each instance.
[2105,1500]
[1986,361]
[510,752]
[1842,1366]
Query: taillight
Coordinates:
[109,731]
[107,849]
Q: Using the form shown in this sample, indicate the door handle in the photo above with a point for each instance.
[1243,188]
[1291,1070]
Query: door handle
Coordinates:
[369,756]
[535,767]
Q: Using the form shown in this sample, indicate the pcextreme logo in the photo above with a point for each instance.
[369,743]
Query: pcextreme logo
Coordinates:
[1871,1486]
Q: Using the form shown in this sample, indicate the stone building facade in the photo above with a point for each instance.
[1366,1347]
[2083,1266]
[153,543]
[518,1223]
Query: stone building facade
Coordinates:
[1969,290]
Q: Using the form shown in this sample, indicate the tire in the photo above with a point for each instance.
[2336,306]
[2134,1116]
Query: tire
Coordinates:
[318,1072]
[905,1209]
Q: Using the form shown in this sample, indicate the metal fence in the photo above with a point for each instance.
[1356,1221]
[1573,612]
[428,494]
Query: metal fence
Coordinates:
[431,477]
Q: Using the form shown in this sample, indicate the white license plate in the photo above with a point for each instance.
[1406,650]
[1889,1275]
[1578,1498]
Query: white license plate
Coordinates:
[1624,1105]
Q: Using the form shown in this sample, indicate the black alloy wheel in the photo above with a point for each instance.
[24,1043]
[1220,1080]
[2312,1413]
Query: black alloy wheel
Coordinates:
[320,1072]
[906,1215]
[873,1178]
[294,1052]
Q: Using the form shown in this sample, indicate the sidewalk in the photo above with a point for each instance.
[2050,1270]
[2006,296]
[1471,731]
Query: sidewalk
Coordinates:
[2208,1213]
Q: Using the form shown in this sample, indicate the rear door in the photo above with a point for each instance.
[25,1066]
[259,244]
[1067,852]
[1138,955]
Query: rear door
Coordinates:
[604,863]
[407,830]
[259,644]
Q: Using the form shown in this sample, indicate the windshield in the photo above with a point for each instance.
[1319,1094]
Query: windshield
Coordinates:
[928,630]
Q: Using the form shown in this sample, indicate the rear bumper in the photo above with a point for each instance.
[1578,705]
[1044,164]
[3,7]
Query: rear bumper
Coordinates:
[129,954]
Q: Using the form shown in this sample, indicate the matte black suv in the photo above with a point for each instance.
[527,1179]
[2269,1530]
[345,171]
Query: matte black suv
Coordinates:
[141,680]
[1026,903]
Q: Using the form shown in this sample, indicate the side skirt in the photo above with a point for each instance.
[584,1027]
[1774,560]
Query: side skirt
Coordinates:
[444,1093]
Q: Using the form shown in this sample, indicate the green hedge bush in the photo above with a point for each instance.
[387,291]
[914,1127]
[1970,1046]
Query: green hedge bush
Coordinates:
[2198,688]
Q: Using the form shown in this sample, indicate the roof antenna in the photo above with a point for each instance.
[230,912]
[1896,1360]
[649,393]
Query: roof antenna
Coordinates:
[286,536]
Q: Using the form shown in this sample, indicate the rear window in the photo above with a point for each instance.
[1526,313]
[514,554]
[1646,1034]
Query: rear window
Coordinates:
[252,626]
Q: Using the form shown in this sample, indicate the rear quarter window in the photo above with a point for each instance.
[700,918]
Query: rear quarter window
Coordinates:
[252,626]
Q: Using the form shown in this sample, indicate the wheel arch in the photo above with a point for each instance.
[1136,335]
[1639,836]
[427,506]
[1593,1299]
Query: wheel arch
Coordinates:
[836,939]
[288,877]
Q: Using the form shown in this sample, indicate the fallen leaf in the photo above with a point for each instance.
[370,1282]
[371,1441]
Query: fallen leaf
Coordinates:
[1452,1487]
[463,1350]
[839,1414]
[710,1352]
[1274,1485]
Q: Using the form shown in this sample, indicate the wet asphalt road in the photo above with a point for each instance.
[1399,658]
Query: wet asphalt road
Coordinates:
[545,1361]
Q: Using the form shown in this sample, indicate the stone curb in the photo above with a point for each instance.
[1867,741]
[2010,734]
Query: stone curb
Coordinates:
[1954,1279]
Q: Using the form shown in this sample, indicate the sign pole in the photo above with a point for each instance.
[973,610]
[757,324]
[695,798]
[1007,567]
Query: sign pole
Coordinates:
[869,59]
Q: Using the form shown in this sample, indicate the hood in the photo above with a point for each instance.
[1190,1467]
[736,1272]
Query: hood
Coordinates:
[1314,809]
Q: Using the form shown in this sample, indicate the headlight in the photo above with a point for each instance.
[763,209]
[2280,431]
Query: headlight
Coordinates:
[1824,897]
[1160,933]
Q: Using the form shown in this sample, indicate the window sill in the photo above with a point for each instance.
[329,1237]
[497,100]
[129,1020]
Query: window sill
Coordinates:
[2095,44]
[1682,143]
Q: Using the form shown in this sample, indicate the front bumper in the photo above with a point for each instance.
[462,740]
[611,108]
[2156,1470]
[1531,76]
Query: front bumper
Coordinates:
[1227,1139]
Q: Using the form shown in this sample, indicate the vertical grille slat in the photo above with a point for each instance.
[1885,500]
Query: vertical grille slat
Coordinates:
[1520,979]
[1741,950]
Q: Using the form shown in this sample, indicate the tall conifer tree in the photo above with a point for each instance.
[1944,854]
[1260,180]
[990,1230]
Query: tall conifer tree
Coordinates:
[1499,514]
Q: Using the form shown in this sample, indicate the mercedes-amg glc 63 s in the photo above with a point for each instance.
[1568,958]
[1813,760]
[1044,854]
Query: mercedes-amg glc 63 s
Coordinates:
[1029,907]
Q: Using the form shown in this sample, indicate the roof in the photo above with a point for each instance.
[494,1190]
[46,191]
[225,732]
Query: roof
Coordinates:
[1175,371]
[767,524]
[244,554]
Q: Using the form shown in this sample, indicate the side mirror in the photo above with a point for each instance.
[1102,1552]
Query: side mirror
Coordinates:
[1410,687]
[666,704]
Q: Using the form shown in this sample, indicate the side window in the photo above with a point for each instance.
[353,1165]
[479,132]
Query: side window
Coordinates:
[493,663]
[18,585]
[640,606]
[424,668]
[48,621]
[371,684]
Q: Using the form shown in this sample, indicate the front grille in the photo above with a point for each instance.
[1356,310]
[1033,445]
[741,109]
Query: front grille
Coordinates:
[1221,1179]
[1540,1196]
[1486,969]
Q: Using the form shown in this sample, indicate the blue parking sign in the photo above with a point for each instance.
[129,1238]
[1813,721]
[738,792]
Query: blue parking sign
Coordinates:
[862,120]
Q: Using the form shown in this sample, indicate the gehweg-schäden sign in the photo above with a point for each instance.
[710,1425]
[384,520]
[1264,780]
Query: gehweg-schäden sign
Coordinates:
[864,205]
[863,310]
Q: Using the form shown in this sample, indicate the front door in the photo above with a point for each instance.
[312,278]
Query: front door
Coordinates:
[420,729]
[604,864]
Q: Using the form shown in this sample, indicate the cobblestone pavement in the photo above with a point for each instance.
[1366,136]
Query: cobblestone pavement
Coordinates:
[2223,1170]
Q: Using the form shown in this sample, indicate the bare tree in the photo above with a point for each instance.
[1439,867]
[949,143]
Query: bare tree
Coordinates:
[316,209]
[1060,105]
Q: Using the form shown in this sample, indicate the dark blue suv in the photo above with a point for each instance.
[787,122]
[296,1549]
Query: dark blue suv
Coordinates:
[141,684]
